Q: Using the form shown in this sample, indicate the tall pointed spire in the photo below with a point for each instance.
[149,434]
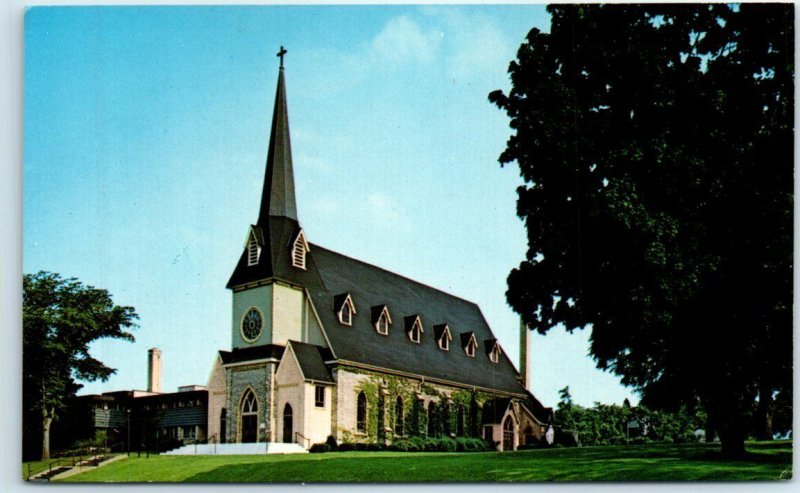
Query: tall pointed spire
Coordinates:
[277,197]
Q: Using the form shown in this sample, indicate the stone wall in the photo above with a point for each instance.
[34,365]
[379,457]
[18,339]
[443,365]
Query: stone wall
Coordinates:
[259,377]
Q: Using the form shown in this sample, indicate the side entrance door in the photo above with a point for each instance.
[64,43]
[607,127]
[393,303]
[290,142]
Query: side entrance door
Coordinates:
[287,423]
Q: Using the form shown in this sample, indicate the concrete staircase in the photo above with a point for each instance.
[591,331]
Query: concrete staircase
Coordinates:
[239,449]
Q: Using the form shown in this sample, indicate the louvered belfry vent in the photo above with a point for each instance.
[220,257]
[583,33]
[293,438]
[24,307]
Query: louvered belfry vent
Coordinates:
[253,250]
[299,254]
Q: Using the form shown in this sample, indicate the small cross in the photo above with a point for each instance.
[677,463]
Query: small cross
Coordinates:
[280,54]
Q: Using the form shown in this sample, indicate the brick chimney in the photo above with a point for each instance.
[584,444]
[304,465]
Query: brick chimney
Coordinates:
[154,370]
[524,355]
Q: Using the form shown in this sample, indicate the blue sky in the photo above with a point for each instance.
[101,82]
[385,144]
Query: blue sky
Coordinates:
[144,145]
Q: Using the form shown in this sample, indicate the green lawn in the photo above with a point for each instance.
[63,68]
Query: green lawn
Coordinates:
[765,461]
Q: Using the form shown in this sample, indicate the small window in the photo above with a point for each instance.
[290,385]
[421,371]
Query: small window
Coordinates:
[398,416]
[432,425]
[383,324]
[361,413]
[494,355]
[344,307]
[380,318]
[414,334]
[346,314]
[442,335]
[470,349]
[319,396]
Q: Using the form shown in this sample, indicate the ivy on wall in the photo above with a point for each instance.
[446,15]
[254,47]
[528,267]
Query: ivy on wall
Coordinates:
[382,391]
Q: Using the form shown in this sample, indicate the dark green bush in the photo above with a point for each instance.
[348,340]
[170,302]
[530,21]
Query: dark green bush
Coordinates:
[319,448]
[346,447]
[331,442]
[430,445]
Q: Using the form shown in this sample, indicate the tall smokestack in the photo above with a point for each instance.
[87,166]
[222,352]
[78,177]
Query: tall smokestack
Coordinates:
[154,370]
[524,356]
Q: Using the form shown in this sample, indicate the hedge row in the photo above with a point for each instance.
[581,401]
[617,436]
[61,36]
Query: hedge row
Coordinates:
[414,444]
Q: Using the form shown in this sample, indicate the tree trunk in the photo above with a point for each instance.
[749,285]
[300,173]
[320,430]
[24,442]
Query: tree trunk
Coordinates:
[732,438]
[710,431]
[47,419]
[763,418]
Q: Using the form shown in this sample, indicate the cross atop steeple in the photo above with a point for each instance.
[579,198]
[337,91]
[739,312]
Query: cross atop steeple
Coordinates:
[281,54]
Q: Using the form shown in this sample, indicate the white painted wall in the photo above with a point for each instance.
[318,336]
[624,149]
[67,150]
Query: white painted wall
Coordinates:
[287,314]
[317,420]
[217,396]
[261,298]
[289,388]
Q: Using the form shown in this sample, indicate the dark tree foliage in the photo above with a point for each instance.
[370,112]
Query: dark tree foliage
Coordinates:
[655,143]
[60,319]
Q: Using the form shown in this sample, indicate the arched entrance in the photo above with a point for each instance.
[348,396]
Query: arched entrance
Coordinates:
[287,423]
[508,434]
[223,425]
[249,417]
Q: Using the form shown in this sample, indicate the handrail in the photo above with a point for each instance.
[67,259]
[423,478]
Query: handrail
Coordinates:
[307,440]
[210,439]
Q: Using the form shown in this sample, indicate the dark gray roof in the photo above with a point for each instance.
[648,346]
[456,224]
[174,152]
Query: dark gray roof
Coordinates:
[370,286]
[275,260]
[494,409]
[252,353]
[277,196]
[312,359]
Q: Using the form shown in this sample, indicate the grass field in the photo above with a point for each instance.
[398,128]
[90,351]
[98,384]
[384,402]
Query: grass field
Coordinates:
[765,461]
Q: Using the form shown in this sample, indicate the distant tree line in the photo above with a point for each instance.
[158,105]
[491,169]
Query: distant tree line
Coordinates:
[605,424]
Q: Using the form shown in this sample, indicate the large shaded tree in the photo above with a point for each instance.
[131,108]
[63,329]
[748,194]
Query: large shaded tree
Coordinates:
[60,319]
[655,143]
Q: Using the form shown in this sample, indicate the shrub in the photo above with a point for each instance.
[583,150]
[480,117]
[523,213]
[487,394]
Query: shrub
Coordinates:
[346,447]
[331,443]
[417,444]
[447,445]
[430,445]
[319,448]
[375,447]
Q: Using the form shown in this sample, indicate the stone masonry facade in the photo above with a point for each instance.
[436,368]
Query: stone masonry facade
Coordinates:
[259,377]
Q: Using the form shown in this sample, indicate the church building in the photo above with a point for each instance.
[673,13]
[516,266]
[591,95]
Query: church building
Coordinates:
[325,345]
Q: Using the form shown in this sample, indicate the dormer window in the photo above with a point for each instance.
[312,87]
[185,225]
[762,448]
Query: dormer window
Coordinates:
[344,308]
[381,319]
[299,250]
[469,343]
[442,335]
[253,245]
[493,350]
[414,328]
[346,315]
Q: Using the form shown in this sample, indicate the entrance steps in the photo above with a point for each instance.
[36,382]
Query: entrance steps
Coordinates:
[239,449]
